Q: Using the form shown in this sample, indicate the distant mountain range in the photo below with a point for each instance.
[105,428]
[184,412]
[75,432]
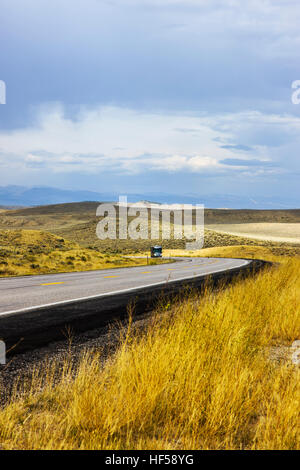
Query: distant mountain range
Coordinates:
[38,196]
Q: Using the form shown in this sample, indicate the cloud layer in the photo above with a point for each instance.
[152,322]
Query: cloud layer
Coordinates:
[136,90]
[129,141]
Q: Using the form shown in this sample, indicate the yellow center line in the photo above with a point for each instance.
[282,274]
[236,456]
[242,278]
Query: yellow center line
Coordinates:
[108,277]
[146,272]
[51,283]
[203,264]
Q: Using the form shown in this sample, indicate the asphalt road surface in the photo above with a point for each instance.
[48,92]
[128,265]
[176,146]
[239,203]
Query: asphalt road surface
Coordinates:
[28,293]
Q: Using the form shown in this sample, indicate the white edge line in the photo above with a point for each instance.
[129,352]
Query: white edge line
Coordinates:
[107,294]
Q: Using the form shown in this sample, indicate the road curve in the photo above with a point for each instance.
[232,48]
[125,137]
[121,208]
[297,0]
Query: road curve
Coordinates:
[36,310]
[26,293]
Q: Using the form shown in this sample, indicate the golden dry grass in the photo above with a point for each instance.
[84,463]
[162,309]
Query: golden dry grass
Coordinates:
[268,253]
[200,377]
[24,252]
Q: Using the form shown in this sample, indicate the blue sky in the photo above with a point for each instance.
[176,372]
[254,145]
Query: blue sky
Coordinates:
[177,96]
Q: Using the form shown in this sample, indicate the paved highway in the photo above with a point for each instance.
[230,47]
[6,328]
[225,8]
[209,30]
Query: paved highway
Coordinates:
[28,293]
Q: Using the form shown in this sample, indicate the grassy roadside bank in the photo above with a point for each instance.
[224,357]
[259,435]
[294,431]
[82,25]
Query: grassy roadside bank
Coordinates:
[28,252]
[203,376]
[276,253]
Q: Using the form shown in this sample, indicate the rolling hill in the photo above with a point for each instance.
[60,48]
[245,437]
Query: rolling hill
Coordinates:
[24,196]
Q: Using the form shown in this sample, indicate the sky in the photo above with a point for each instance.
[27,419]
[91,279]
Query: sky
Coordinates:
[134,96]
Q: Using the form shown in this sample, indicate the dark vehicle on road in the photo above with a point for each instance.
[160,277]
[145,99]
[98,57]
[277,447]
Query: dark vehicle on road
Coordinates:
[156,251]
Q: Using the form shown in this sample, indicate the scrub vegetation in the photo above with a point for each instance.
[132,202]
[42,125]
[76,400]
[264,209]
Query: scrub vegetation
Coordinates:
[24,252]
[77,222]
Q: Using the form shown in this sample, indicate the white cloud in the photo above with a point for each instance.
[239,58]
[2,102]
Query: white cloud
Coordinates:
[123,140]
